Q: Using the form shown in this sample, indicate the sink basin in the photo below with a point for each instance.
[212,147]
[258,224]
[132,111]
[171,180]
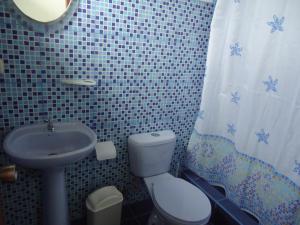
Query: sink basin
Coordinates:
[34,146]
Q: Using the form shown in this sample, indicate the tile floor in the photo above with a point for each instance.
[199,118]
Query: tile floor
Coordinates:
[134,214]
[137,213]
[224,212]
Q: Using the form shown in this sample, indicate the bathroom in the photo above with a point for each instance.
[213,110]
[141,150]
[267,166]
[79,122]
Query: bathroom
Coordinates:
[210,85]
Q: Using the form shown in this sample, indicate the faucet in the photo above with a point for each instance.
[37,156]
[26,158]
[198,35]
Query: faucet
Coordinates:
[50,126]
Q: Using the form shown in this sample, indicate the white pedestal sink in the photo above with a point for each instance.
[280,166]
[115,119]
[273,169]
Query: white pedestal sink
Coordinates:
[34,146]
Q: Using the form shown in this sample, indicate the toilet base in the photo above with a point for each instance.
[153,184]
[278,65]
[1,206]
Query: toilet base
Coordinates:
[155,219]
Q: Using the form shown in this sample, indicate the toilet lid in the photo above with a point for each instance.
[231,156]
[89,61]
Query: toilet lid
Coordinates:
[181,200]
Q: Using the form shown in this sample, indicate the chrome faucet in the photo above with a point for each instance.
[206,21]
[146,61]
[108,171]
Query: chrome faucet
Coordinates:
[50,126]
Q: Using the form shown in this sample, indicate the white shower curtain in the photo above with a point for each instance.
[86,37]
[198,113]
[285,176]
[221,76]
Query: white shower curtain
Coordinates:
[247,133]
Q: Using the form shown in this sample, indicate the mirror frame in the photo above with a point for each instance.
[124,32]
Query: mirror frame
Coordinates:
[43,27]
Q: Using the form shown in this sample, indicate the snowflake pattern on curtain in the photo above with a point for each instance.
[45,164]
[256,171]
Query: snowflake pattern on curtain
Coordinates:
[252,183]
[276,24]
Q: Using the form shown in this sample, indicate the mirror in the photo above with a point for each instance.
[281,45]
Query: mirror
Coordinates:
[44,11]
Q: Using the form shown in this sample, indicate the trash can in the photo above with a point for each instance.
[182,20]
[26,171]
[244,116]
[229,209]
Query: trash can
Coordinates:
[104,206]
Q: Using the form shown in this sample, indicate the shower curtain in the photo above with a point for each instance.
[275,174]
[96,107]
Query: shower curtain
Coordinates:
[247,133]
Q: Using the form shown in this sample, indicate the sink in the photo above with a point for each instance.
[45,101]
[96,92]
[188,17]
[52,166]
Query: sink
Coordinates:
[34,146]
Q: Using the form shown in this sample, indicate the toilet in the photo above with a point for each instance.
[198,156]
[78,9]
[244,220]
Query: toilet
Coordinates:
[176,201]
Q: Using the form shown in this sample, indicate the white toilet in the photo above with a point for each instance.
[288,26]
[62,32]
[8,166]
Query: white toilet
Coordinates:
[177,202]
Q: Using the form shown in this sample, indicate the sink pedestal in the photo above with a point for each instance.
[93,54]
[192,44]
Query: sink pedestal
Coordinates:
[34,146]
[55,205]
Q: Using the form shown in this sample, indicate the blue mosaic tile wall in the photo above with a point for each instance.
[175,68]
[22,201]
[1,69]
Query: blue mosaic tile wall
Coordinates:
[148,58]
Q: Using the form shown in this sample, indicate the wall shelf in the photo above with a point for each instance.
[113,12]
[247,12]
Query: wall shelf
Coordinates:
[79,82]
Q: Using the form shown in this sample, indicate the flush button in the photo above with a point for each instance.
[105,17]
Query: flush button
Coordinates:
[155,134]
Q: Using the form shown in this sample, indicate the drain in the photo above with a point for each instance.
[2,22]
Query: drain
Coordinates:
[50,154]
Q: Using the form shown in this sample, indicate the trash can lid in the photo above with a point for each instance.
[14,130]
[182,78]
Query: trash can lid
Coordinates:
[103,198]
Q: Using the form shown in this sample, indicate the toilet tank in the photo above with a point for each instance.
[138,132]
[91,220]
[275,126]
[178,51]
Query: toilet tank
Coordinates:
[151,153]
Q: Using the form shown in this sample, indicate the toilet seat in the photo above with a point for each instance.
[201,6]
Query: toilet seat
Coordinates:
[181,202]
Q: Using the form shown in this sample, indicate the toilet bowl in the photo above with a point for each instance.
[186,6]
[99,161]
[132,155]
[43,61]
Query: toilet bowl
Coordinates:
[176,201]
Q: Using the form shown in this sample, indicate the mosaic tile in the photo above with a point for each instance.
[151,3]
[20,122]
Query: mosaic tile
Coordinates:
[148,58]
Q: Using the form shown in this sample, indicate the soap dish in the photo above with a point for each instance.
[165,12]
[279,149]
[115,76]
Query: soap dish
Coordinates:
[79,82]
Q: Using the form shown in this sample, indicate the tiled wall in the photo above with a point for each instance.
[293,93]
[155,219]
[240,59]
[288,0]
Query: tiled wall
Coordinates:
[148,58]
